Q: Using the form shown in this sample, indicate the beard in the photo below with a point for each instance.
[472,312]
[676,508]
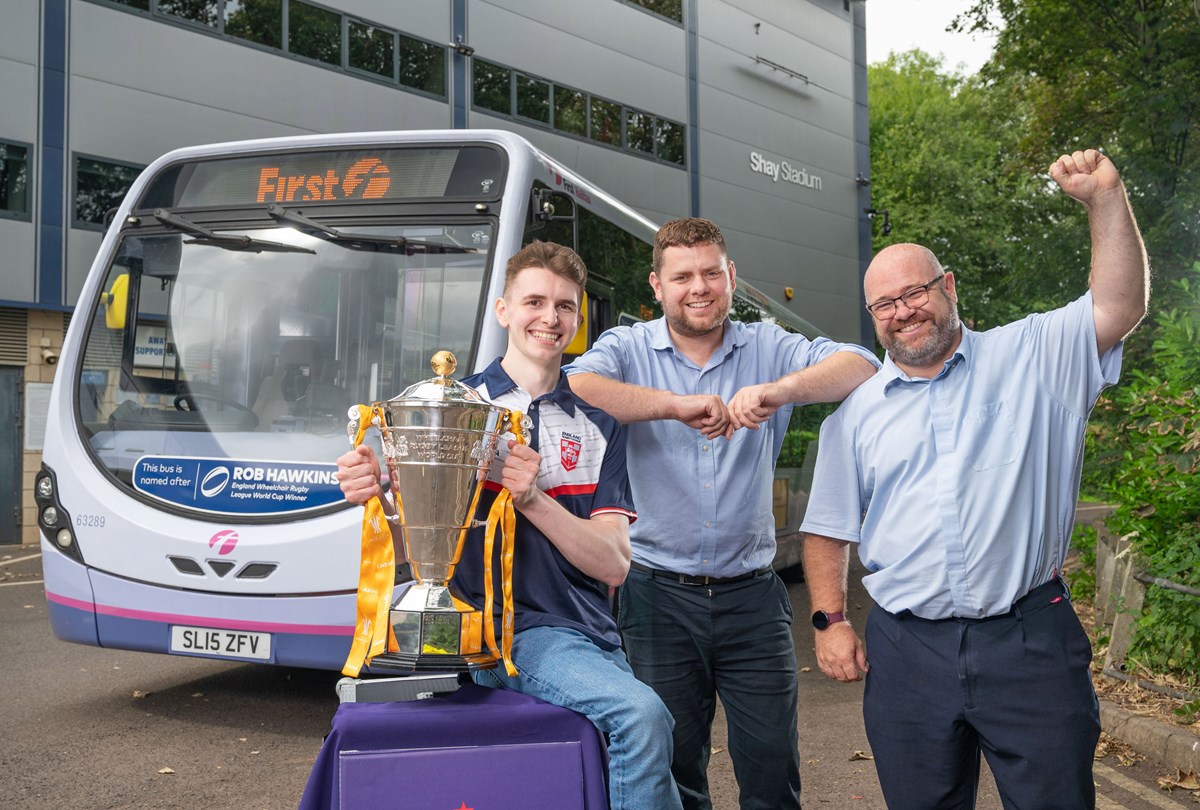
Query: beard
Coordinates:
[934,347]
[683,323]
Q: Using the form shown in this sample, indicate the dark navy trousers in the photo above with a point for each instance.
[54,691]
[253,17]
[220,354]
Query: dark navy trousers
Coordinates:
[1015,687]
[692,643]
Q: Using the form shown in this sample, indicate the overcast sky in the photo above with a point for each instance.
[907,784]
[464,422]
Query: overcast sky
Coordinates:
[901,25]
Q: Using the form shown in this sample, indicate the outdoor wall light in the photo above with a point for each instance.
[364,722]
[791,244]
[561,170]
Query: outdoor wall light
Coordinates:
[887,223]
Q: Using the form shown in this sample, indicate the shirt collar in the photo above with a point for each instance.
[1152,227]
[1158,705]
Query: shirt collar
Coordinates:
[732,336]
[499,383]
[660,336]
[893,375]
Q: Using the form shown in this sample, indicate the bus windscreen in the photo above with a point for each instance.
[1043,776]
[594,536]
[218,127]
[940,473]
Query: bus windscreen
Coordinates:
[371,175]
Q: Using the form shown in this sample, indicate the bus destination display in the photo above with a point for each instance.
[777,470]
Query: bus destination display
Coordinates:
[334,176]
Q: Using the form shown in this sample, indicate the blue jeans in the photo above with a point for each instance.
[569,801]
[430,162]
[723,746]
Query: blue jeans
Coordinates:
[566,668]
[696,643]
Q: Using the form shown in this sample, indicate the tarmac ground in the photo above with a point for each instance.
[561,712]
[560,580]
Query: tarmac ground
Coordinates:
[98,728]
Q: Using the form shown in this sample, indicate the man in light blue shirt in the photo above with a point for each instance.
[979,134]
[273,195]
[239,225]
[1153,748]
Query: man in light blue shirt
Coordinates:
[955,470]
[701,612]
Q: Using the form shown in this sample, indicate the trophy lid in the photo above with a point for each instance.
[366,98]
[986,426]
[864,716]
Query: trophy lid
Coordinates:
[440,388]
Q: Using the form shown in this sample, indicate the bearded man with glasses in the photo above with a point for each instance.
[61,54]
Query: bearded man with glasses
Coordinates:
[955,470]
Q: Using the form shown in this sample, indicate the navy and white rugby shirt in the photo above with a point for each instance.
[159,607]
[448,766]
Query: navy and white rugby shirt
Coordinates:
[583,468]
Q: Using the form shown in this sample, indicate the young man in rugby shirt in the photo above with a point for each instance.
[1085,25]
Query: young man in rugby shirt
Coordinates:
[573,504]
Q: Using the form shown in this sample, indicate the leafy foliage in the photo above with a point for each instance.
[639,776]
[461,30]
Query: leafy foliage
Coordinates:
[1082,577]
[802,430]
[1144,444]
[939,169]
[1122,74]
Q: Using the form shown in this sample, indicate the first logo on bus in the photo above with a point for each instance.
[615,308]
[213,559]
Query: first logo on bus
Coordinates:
[367,179]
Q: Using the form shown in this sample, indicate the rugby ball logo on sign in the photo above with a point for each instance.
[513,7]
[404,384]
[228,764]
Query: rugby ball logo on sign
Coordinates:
[214,482]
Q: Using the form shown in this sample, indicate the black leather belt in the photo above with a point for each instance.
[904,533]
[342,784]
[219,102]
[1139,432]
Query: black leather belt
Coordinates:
[689,579]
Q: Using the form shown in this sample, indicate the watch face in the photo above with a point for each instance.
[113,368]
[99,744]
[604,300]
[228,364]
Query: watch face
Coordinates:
[820,620]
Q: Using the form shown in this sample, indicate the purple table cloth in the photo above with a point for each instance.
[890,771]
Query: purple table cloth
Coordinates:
[477,749]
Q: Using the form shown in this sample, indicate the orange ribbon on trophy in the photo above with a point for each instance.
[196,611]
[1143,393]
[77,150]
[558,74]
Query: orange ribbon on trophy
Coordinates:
[504,517]
[376,574]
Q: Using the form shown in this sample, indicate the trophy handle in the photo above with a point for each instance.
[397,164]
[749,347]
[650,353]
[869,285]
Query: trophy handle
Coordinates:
[358,415]
[518,424]
[355,416]
[361,418]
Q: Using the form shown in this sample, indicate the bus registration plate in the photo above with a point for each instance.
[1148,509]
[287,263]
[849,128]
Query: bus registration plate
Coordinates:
[226,643]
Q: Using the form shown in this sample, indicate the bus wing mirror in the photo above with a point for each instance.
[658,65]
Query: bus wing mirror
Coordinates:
[546,204]
[116,302]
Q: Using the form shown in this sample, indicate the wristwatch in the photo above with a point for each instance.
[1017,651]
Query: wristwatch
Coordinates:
[821,619]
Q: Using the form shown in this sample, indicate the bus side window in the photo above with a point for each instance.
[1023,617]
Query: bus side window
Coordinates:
[597,316]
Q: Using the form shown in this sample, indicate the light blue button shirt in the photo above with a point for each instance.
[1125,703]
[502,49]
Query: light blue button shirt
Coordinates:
[704,507]
[960,491]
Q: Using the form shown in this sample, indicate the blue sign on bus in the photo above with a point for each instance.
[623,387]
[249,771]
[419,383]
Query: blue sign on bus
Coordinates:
[232,487]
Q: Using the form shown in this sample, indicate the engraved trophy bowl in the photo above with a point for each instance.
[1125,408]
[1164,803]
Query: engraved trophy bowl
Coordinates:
[439,437]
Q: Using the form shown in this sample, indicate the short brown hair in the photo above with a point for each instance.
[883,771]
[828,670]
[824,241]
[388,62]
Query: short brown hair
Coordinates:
[560,260]
[687,232]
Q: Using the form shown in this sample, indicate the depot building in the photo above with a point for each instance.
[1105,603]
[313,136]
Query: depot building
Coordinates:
[752,113]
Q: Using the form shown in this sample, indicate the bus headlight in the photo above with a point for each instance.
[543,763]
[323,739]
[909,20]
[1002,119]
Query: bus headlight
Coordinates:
[54,519]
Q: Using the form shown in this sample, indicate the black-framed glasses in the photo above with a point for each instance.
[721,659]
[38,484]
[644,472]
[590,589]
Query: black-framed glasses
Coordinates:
[913,299]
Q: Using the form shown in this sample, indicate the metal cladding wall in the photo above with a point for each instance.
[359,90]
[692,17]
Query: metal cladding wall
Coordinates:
[777,150]
[769,93]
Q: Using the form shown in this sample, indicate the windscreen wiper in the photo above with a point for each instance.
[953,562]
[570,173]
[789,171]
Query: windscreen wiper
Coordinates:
[228,241]
[361,241]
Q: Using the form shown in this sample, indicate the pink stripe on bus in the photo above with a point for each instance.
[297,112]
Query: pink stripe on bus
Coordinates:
[202,621]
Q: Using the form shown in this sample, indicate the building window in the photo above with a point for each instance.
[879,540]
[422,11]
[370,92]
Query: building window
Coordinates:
[314,32]
[371,49]
[606,122]
[204,12]
[258,21]
[99,186]
[533,99]
[668,142]
[639,131]
[422,65]
[570,111]
[492,87]
[14,180]
[530,99]
[671,9]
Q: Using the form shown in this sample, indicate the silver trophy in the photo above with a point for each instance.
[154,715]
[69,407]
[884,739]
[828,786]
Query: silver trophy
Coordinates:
[439,438]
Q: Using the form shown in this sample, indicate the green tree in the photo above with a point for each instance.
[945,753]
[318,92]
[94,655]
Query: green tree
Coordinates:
[942,165]
[1120,74]
[1145,457]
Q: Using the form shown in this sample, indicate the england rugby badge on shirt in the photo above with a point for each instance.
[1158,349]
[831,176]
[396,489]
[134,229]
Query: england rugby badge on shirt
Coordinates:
[570,446]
